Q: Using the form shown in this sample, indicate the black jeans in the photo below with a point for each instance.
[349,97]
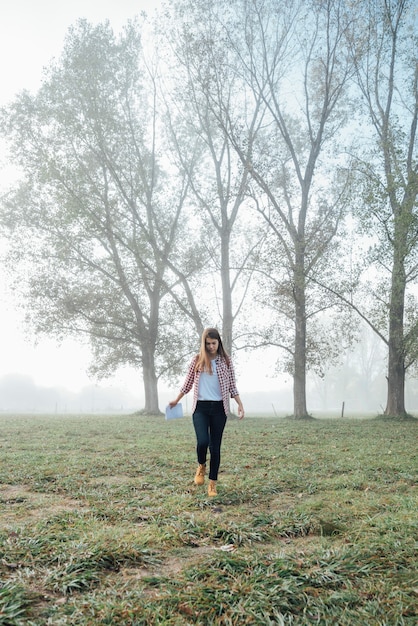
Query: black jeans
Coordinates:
[209,421]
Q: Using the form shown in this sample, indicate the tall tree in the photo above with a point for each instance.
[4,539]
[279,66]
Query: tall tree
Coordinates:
[97,223]
[384,45]
[204,88]
[293,68]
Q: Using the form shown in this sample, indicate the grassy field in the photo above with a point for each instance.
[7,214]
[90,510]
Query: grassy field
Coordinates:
[315,523]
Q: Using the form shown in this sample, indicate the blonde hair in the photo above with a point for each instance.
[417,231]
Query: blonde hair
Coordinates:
[203,363]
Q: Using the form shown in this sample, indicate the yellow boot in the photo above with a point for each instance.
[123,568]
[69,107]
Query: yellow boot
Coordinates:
[212,489]
[199,479]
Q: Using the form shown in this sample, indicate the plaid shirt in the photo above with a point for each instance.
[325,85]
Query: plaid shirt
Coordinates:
[226,377]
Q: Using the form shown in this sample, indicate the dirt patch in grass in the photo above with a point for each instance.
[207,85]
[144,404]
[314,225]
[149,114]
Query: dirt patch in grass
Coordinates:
[284,502]
[19,500]
[172,565]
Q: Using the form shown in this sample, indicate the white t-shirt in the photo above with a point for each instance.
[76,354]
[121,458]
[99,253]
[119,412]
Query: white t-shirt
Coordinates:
[209,387]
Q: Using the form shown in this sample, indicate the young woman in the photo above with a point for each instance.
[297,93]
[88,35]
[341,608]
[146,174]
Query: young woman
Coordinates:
[212,374]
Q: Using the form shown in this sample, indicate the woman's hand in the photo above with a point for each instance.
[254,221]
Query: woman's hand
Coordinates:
[240,407]
[176,401]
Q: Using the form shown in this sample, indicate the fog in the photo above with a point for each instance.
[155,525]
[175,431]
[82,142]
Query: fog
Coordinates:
[49,378]
[20,394]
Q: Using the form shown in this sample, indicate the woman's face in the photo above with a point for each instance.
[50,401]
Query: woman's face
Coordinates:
[211,346]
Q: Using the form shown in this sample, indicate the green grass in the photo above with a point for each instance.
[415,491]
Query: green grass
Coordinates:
[100,523]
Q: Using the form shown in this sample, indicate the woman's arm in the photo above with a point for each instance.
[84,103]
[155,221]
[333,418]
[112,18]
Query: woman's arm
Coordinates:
[234,391]
[188,383]
[177,400]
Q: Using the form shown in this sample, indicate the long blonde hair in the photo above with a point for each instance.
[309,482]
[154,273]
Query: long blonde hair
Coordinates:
[203,363]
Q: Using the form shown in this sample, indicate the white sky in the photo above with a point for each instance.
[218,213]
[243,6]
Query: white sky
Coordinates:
[32,32]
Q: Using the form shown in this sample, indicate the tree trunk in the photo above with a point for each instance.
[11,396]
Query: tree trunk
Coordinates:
[395,405]
[300,410]
[227,317]
[150,386]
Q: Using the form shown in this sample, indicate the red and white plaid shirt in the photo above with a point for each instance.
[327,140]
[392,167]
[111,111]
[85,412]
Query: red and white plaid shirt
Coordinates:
[226,377]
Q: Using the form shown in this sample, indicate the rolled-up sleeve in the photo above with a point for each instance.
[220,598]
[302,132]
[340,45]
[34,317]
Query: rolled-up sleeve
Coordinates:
[190,377]
[232,382]
[226,376]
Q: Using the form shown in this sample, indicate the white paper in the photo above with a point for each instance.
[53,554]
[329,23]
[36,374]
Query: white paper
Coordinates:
[172,413]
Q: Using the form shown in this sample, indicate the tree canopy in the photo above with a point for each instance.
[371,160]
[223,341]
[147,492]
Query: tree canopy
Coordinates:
[213,177]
